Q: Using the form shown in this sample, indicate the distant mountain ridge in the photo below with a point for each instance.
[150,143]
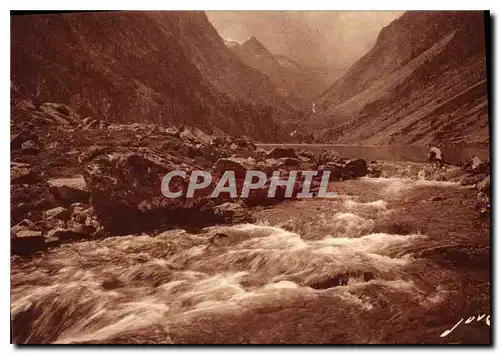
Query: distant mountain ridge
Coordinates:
[291,77]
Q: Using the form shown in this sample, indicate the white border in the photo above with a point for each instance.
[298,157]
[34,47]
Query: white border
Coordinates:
[197,5]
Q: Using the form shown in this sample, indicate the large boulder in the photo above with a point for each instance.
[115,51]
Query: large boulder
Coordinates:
[238,165]
[69,190]
[125,189]
[25,242]
[279,152]
[354,169]
[483,203]
[232,213]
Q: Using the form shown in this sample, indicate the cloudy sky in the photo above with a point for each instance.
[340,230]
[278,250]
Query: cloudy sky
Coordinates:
[314,38]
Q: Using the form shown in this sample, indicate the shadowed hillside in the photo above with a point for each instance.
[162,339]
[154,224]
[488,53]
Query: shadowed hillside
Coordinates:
[299,83]
[424,80]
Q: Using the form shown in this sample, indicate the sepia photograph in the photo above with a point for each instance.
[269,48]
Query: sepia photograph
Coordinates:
[250,177]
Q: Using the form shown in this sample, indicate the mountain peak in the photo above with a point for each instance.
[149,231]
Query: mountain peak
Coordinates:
[255,44]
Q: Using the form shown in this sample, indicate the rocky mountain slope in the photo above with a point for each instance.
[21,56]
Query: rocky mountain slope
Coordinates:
[153,67]
[292,78]
[424,80]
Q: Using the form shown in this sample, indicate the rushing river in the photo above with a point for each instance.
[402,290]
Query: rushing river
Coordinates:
[379,264]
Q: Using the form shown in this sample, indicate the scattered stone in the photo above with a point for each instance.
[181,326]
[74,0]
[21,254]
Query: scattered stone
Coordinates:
[230,164]
[53,224]
[475,162]
[17,141]
[437,198]
[92,152]
[374,171]
[65,234]
[482,203]
[355,168]
[87,120]
[337,280]
[24,225]
[469,180]
[329,156]
[21,173]
[28,234]
[232,213]
[216,237]
[309,155]
[335,170]
[477,166]
[78,208]
[52,241]
[367,276]
[69,190]
[289,161]
[113,283]
[59,213]
[484,185]
[25,242]
[173,131]
[30,147]
[92,124]
[125,187]
[52,145]
[306,166]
